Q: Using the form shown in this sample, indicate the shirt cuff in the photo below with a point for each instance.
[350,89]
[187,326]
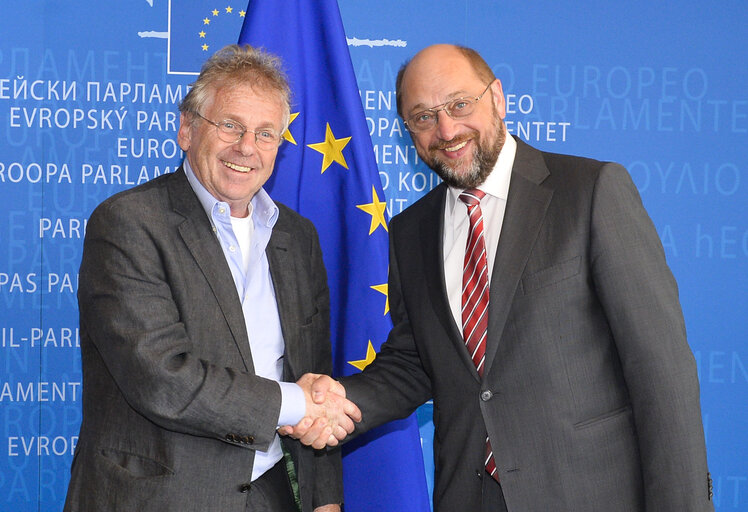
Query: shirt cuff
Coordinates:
[293,404]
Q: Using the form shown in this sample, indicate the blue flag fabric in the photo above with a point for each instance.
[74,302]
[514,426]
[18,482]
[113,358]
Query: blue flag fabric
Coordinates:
[196,30]
[326,171]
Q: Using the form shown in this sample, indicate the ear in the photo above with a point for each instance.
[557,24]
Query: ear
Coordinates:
[184,135]
[497,94]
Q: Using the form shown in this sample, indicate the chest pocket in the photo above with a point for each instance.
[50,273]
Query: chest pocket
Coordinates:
[551,275]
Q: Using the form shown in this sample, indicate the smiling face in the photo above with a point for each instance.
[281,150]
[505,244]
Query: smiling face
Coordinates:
[462,151]
[232,172]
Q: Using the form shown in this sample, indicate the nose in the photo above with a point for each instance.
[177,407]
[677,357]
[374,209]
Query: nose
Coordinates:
[446,127]
[247,145]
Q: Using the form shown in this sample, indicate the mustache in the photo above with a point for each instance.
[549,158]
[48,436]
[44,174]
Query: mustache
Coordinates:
[454,141]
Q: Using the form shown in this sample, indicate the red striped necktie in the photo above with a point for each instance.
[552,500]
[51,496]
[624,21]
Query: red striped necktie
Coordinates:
[475,295]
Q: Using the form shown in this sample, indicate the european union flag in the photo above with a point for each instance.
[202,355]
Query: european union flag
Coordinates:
[327,172]
[197,29]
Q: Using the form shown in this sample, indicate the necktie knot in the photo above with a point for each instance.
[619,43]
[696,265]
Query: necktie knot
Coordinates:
[472,196]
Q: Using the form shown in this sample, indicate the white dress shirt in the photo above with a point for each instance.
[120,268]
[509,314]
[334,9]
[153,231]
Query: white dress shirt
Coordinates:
[457,225]
[243,241]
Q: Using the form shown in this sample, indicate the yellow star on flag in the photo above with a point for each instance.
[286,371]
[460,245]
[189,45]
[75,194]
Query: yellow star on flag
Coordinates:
[382,288]
[202,34]
[376,210]
[242,13]
[287,134]
[206,21]
[215,12]
[205,47]
[229,10]
[370,356]
[331,149]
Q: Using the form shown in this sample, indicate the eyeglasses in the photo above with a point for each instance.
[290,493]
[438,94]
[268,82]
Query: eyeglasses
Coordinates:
[233,131]
[456,109]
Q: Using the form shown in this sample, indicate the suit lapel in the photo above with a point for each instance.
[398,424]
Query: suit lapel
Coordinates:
[526,207]
[280,261]
[432,246]
[203,244]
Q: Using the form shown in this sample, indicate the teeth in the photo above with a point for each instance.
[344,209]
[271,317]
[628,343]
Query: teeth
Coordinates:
[457,147]
[237,167]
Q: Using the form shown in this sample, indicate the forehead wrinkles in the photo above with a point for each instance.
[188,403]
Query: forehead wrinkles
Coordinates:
[248,106]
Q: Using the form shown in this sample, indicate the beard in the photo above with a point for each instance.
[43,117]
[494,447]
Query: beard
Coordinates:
[483,159]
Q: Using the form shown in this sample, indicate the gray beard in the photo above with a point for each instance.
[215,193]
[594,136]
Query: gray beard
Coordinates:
[484,160]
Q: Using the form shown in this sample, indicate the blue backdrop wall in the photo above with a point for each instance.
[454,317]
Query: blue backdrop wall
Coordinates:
[88,95]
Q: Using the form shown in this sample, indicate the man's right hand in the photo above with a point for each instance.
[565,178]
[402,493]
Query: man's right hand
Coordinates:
[330,417]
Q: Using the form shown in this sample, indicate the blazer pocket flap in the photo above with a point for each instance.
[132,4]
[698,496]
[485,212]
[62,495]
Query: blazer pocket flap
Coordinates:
[136,465]
[551,275]
[604,418]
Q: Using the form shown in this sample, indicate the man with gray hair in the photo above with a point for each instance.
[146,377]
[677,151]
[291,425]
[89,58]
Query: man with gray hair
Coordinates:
[201,302]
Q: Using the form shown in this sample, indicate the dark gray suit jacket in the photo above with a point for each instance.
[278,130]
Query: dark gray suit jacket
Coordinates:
[590,394]
[172,410]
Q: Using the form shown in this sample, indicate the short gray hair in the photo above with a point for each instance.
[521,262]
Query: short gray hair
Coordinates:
[236,65]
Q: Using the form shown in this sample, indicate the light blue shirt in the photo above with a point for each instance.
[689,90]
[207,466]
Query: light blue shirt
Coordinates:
[254,286]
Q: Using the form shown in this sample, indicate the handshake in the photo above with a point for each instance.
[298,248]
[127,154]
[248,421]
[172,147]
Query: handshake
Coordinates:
[330,417]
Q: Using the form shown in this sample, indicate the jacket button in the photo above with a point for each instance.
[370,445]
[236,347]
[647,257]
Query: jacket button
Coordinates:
[244,488]
[486,395]
[231,437]
[251,440]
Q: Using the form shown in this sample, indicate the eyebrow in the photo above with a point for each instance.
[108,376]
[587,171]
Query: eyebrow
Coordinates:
[263,124]
[420,107]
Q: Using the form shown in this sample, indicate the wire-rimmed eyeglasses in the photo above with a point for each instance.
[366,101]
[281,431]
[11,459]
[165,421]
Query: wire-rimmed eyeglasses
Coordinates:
[457,108]
[232,132]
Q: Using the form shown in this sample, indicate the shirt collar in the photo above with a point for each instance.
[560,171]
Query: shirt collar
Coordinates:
[497,183]
[261,207]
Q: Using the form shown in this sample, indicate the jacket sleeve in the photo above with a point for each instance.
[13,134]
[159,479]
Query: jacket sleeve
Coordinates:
[640,299]
[395,383]
[134,302]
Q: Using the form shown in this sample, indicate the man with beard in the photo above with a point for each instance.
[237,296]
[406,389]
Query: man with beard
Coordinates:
[531,300]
